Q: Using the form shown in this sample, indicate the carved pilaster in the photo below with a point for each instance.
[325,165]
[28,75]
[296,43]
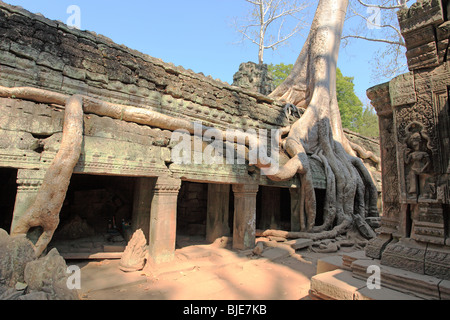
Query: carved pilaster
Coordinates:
[28,185]
[163,219]
[244,216]
[382,102]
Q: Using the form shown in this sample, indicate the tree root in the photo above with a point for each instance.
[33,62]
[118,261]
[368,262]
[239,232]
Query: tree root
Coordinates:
[351,194]
[365,154]
[44,212]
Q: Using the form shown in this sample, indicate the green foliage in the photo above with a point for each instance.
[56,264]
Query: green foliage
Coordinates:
[350,106]
[280,72]
[368,123]
[353,115]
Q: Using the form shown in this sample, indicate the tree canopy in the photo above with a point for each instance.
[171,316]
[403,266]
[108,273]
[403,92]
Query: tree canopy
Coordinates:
[354,115]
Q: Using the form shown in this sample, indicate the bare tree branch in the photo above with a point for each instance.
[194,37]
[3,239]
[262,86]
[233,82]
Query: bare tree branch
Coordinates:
[264,14]
[379,24]
[374,40]
[401,4]
[397,30]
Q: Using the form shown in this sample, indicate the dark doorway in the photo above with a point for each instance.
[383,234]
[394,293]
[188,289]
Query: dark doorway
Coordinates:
[8,191]
[191,213]
[96,215]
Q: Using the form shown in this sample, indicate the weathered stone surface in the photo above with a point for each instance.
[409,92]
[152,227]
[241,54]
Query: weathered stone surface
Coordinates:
[259,248]
[254,77]
[135,254]
[274,253]
[76,61]
[423,286]
[383,294]
[163,219]
[329,264]
[23,277]
[415,142]
[335,285]
[444,289]
[217,211]
[15,254]
[298,244]
[349,258]
[244,216]
[49,274]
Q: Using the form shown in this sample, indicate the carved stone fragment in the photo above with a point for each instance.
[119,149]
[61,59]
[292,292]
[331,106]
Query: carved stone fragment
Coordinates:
[135,254]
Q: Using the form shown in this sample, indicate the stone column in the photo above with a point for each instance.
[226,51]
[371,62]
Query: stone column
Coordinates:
[142,201]
[217,211]
[244,216]
[381,100]
[270,208]
[28,185]
[163,219]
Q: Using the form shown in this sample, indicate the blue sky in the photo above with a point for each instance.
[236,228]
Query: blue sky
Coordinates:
[196,34]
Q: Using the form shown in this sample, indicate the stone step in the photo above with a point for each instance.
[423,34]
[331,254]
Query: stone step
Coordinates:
[349,258]
[422,286]
[343,261]
[329,264]
[340,284]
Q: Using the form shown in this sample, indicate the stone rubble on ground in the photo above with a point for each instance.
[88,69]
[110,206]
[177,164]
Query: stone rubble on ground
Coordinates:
[23,276]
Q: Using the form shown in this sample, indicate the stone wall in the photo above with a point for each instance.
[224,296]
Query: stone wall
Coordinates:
[42,53]
[39,52]
[254,77]
[415,141]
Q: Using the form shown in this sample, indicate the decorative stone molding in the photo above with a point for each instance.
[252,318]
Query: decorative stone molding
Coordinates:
[415,141]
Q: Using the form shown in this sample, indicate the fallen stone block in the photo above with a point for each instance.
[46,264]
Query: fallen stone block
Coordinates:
[335,285]
[274,253]
[259,248]
[299,244]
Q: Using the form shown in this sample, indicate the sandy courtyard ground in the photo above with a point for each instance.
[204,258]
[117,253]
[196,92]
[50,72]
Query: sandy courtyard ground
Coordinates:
[205,272]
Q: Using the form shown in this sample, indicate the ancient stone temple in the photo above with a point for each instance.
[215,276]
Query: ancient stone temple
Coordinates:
[125,178]
[254,77]
[414,118]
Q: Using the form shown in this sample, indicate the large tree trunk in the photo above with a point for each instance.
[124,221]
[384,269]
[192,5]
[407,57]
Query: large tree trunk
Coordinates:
[319,134]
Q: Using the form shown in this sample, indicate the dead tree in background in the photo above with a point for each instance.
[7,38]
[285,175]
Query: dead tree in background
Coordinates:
[378,23]
[267,14]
